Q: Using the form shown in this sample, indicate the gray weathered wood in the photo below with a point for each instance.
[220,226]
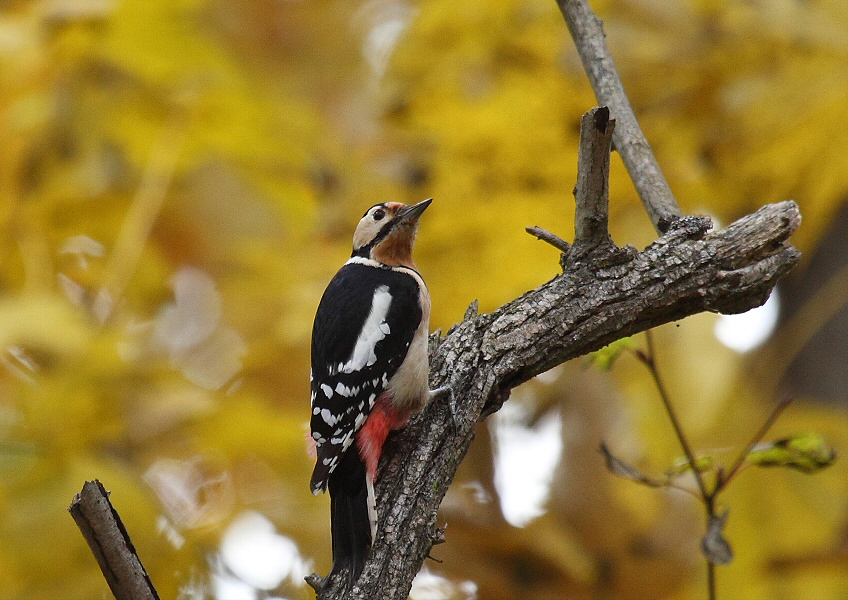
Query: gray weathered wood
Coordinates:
[591,194]
[102,528]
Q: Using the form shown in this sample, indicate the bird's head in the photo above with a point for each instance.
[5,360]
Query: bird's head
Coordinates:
[386,233]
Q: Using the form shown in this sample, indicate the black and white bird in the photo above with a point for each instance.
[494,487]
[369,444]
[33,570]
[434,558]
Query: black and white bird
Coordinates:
[369,371]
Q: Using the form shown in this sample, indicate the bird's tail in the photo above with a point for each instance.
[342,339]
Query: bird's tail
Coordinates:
[351,512]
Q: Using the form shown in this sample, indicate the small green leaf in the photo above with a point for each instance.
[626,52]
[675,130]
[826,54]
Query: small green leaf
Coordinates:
[604,358]
[806,452]
[681,465]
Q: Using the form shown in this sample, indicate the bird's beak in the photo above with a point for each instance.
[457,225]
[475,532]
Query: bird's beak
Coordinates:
[411,213]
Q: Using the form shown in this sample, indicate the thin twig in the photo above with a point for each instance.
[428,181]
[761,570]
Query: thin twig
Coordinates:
[711,581]
[588,34]
[758,437]
[650,360]
[710,497]
[315,581]
[707,497]
[551,238]
[687,490]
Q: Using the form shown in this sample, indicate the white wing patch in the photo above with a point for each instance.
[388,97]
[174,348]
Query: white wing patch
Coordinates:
[374,330]
[347,392]
[329,418]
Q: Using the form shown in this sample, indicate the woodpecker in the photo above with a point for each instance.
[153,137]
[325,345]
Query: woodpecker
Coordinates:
[369,371]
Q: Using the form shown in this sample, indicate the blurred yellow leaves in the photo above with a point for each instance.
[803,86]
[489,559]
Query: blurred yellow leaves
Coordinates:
[759,81]
[46,323]
[179,180]
[135,144]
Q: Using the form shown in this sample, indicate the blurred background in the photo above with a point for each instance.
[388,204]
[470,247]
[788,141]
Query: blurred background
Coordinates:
[180,179]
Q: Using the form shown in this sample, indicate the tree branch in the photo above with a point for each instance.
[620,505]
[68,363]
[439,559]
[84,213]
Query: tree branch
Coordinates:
[591,223]
[102,528]
[687,271]
[548,237]
[589,38]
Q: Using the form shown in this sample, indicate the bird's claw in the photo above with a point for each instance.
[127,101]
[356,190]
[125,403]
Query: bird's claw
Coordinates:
[447,392]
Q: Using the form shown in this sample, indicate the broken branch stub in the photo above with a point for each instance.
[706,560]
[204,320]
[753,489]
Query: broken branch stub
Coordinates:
[591,217]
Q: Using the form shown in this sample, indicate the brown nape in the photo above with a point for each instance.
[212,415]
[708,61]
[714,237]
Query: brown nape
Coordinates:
[396,249]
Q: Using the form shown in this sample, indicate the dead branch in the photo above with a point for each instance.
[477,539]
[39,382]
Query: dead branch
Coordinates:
[110,543]
[591,225]
[548,237]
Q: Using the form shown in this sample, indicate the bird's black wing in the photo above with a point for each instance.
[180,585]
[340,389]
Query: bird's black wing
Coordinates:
[352,364]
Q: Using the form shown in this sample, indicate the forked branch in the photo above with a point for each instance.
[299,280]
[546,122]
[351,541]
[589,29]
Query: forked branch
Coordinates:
[588,35]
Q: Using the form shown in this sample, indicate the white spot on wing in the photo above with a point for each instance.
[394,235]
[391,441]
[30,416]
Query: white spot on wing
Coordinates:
[372,332]
[342,389]
[328,391]
[344,440]
[360,419]
[329,418]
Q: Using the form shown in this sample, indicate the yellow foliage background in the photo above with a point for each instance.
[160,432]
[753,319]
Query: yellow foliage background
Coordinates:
[179,180]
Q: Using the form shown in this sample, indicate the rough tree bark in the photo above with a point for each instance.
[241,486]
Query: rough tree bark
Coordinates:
[102,528]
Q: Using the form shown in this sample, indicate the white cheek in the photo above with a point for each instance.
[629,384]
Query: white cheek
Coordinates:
[366,230]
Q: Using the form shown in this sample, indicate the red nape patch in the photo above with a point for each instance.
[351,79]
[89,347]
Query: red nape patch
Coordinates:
[381,421]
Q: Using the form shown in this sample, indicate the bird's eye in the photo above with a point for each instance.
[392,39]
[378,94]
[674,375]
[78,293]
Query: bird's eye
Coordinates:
[379,214]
